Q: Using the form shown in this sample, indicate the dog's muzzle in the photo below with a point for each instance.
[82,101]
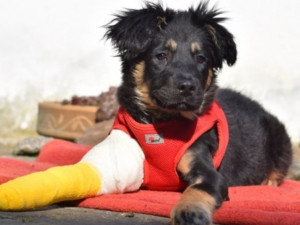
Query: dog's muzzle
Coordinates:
[183,96]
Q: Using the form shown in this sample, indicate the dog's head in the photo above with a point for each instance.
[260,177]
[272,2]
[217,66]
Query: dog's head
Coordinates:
[170,59]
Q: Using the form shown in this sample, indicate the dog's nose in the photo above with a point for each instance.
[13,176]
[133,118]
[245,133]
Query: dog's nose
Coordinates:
[186,87]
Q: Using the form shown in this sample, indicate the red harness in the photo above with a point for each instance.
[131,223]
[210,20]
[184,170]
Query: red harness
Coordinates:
[165,143]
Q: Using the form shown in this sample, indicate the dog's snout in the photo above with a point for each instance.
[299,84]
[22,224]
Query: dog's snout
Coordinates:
[186,87]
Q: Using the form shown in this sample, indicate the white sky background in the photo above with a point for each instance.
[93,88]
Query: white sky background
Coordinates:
[51,50]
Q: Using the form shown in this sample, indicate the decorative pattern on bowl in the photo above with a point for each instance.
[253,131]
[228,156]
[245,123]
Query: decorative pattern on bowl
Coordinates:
[64,121]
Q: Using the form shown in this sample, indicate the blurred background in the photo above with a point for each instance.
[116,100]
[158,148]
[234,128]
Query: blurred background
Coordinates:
[52,50]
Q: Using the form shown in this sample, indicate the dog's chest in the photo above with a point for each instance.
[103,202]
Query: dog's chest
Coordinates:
[165,143]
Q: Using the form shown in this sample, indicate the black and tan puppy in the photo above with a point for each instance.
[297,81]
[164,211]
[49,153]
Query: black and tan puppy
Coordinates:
[174,130]
[170,62]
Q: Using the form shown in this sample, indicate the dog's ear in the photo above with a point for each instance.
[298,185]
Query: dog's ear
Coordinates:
[224,47]
[132,31]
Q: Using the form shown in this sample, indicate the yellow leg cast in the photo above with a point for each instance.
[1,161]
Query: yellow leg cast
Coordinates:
[51,186]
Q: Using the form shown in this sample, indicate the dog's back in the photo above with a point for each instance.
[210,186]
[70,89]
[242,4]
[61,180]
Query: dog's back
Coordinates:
[259,149]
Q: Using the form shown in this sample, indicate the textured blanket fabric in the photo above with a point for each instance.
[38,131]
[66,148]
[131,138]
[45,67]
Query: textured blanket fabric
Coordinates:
[248,204]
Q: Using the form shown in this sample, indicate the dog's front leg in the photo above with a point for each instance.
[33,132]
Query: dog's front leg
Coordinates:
[119,161]
[206,191]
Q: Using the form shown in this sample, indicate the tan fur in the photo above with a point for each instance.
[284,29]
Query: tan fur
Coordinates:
[274,179]
[209,78]
[193,200]
[184,163]
[195,47]
[171,44]
[194,195]
[191,115]
[142,89]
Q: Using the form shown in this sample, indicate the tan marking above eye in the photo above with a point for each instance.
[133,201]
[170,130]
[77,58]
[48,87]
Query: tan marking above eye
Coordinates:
[195,47]
[171,44]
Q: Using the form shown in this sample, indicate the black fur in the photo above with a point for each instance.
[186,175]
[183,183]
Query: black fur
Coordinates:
[176,57]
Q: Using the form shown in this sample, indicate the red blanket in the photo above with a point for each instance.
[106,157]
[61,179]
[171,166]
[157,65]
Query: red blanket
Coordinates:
[248,205]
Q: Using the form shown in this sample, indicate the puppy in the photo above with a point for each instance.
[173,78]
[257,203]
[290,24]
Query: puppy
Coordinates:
[170,62]
[174,131]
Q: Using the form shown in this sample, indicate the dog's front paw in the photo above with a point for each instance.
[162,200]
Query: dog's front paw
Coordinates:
[190,214]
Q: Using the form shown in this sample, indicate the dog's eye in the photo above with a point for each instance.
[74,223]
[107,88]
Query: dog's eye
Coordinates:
[200,59]
[161,56]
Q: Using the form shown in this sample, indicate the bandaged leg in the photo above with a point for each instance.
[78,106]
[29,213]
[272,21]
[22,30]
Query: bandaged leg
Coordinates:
[114,165]
[120,162]
[51,186]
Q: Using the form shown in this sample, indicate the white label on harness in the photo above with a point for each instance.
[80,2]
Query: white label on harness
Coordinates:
[154,138]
